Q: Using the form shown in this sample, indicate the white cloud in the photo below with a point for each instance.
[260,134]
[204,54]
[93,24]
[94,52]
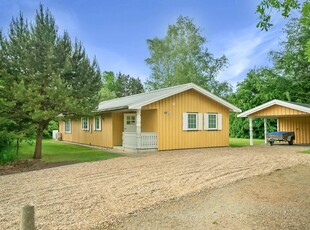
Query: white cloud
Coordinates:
[246,49]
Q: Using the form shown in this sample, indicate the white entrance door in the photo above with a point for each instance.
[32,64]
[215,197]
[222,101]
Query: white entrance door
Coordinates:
[129,122]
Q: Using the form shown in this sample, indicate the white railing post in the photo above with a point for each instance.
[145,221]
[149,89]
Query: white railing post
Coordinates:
[138,130]
[251,131]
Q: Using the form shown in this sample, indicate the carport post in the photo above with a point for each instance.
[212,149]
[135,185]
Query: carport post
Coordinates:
[251,131]
[265,129]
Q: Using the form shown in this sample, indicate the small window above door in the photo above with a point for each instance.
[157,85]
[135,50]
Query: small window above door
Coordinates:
[130,119]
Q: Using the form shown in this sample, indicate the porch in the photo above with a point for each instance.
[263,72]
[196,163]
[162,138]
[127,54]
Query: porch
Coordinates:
[138,130]
[144,140]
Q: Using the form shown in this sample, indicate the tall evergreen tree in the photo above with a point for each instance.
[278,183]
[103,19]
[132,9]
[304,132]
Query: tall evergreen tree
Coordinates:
[45,74]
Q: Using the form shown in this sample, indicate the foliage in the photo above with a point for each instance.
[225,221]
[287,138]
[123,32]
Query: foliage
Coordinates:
[264,10]
[181,57]
[241,142]
[259,86]
[291,62]
[120,85]
[7,154]
[55,151]
[48,132]
[288,79]
[44,74]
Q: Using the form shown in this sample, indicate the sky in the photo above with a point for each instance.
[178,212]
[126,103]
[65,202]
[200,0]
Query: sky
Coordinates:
[115,31]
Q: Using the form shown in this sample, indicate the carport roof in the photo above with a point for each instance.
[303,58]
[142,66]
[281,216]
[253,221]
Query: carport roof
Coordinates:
[292,105]
[139,100]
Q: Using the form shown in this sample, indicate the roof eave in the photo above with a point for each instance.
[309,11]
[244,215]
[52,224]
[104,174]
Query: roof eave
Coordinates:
[271,103]
[113,109]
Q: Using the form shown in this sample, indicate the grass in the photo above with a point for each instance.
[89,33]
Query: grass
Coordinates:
[307,151]
[242,142]
[54,151]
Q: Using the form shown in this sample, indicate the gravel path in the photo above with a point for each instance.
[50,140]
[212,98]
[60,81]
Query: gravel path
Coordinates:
[91,195]
[278,201]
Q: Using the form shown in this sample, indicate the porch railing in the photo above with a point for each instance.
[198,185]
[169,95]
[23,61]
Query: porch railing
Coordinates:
[148,140]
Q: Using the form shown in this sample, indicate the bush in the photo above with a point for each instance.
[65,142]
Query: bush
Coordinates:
[7,155]
[53,125]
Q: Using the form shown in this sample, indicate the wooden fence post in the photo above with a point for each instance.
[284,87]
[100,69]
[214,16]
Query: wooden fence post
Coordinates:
[27,218]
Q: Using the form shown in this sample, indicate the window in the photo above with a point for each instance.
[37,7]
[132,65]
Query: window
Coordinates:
[212,124]
[97,123]
[192,121]
[213,121]
[85,123]
[68,126]
[131,120]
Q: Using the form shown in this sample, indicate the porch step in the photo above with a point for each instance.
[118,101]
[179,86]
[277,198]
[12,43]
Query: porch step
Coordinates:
[121,148]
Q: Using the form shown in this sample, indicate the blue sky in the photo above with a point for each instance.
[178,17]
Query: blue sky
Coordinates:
[115,31]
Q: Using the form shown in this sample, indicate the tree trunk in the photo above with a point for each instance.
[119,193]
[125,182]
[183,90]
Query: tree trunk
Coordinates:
[38,148]
[17,146]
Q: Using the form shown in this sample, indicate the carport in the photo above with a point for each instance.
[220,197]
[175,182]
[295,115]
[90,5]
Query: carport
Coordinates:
[290,116]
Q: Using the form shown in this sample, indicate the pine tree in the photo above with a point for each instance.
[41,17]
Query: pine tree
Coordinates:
[46,75]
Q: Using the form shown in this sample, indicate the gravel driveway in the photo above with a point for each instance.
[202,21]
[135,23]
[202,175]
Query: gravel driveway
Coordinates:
[91,195]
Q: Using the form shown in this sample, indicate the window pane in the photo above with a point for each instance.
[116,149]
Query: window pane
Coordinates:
[97,123]
[84,123]
[133,120]
[67,126]
[192,121]
[212,121]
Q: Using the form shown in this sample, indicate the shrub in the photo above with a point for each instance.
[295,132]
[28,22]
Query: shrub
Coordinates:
[7,155]
[53,125]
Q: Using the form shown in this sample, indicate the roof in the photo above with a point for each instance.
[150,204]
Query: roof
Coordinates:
[292,105]
[137,101]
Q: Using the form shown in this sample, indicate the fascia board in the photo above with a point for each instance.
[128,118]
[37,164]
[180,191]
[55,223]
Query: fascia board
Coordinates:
[271,103]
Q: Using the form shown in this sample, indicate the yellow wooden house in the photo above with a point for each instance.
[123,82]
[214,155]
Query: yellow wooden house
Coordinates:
[179,117]
[291,117]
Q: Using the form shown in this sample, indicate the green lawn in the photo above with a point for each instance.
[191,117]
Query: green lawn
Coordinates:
[55,151]
[241,142]
[307,151]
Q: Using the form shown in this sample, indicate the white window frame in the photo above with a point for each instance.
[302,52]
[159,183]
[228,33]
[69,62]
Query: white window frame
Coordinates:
[99,124]
[68,121]
[87,123]
[218,121]
[198,121]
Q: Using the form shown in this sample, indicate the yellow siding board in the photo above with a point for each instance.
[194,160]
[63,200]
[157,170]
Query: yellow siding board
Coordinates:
[170,133]
[300,125]
[118,127]
[277,110]
[149,120]
[90,137]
